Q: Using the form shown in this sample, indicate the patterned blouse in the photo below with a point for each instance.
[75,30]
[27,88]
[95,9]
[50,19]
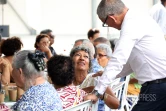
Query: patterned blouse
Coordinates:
[3,107]
[42,97]
[71,95]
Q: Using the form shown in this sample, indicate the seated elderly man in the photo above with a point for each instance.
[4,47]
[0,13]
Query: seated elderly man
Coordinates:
[28,73]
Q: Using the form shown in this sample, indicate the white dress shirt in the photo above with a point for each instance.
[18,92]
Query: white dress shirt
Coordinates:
[158,13]
[141,48]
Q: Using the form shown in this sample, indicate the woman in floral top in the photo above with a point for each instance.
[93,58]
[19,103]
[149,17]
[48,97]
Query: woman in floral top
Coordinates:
[28,73]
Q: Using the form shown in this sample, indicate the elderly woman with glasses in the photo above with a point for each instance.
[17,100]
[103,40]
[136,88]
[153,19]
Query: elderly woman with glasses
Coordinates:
[28,73]
[81,58]
[104,53]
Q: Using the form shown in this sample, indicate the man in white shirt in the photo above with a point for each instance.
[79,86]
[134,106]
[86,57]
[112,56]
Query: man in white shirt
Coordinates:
[158,13]
[141,48]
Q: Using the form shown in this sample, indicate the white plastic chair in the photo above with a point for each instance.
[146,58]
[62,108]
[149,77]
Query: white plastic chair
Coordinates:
[132,100]
[114,82]
[120,90]
[117,89]
[84,106]
[124,103]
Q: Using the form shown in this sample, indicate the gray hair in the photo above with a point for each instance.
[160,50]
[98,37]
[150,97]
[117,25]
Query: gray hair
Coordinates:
[79,40]
[88,44]
[81,48]
[106,49]
[107,7]
[102,40]
[30,73]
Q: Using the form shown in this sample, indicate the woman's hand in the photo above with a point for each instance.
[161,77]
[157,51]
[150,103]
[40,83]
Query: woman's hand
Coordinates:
[44,48]
[91,97]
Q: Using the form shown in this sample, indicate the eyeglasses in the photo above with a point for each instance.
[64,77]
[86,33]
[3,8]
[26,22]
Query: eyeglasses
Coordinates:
[101,55]
[45,42]
[104,24]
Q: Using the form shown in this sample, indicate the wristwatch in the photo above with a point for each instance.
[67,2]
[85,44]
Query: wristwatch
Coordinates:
[96,93]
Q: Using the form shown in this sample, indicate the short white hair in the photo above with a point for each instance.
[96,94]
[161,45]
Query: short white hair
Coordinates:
[105,48]
[107,7]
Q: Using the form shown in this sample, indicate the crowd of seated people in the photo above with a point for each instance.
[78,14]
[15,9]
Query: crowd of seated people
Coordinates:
[72,80]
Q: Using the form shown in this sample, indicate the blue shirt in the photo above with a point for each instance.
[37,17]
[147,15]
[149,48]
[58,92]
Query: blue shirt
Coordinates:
[95,66]
[42,97]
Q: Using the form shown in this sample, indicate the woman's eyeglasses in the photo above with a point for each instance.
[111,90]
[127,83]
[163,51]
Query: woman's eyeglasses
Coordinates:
[46,42]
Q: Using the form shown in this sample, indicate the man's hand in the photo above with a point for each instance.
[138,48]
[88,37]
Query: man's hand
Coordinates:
[98,74]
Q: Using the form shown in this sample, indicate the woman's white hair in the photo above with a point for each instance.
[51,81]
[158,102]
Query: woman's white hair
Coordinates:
[105,48]
[30,73]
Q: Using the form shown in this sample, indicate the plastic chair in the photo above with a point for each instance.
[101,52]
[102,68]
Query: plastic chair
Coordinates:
[84,106]
[124,103]
[120,90]
[117,87]
[132,101]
